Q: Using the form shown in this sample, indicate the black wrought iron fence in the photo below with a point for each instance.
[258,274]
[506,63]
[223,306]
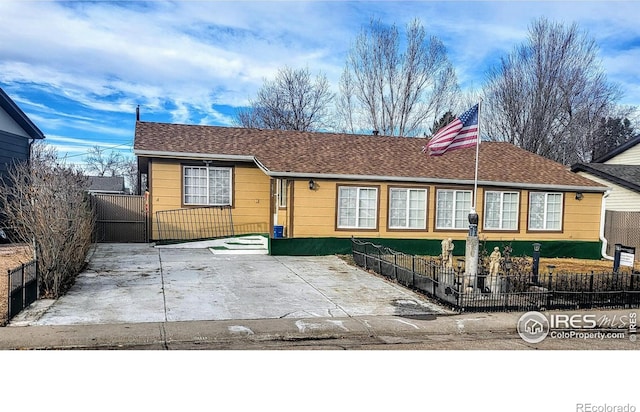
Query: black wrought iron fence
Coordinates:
[194,223]
[22,287]
[510,292]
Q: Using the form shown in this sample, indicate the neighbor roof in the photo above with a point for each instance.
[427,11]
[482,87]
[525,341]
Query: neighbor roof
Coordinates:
[19,116]
[623,175]
[620,149]
[106,184]
[330,155]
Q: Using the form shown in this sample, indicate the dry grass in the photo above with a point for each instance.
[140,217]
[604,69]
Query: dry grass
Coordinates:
[11,257]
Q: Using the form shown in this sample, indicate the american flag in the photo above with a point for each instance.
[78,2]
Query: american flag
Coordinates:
[461,133]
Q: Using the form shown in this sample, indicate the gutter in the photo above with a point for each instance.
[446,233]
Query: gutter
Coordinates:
[603,252]
[194,156]
[563,188]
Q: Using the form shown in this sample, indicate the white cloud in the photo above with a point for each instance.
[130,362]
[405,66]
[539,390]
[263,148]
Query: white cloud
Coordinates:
[181,59]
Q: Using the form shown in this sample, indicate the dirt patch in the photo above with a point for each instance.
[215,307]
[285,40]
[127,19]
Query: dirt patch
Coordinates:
[11,257]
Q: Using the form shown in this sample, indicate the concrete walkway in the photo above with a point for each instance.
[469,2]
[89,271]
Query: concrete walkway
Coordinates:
[137,283]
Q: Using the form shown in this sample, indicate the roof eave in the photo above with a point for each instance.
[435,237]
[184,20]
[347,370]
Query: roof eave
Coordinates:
[194,156]
[19,116]
[404,179]
[606,176]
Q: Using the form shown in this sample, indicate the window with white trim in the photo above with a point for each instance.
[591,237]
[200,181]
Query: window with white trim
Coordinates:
[501,210]
[407,208]
[545,211]
[357,207]
[452,209]
[207,185]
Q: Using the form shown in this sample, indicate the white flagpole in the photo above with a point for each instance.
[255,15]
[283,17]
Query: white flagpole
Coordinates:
[475,178]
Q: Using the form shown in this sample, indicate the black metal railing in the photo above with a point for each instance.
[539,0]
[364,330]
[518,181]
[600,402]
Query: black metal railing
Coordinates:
[508,292]
[196,223]
[22,287]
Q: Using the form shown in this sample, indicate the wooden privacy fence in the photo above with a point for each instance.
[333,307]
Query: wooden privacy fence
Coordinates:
[120,218]
[622,228]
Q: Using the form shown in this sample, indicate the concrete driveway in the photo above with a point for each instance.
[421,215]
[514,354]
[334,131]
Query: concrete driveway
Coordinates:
[135,283]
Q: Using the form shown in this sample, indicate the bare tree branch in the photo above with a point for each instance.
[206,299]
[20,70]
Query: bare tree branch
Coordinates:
[397,92]
[292,101]
[45,203]
[549,94]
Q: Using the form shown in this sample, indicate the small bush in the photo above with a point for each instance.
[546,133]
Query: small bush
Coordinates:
[45,201]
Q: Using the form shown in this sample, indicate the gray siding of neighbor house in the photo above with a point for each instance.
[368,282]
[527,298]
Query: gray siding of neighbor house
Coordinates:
[12,148]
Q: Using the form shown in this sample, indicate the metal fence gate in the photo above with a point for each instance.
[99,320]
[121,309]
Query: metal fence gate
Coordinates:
[120,218]
[23,287]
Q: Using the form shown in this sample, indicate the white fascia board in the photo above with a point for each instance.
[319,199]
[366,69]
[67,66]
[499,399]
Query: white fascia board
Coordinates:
[195,156]
[515,185]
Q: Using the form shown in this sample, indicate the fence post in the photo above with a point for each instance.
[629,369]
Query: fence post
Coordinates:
[549,290]
[24,289]
[591,290]
[395,266]
[8,295]
[506,293]
[630,294]
[365,256]
[434,278]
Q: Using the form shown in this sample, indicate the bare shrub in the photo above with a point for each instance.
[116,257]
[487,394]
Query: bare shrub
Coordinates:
[45,204]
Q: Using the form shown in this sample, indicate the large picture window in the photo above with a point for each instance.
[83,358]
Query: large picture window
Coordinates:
[545,211]
[501,210]
[207,185]
[452,209]
[357,207]
[407,208]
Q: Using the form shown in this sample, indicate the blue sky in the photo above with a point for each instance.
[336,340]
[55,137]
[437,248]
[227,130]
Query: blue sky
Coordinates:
[79,69]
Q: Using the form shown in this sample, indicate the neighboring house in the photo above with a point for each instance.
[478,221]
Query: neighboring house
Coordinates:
[324,188]
[620,171]
[17,133]
[107,185]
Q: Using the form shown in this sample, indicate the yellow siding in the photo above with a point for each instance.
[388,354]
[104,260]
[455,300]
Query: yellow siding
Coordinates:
[251,194]
[312,213]
[315,215]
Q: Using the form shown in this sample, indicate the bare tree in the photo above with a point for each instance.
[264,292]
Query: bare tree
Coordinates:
[130,172]
[46,205]
[292,101]
[396,92]
[549,94]
[103,163]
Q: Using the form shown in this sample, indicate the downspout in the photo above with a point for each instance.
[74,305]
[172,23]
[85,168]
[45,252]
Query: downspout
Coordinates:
[602,217]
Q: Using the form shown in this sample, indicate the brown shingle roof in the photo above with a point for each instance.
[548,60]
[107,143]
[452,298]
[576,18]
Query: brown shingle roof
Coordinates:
[332,154]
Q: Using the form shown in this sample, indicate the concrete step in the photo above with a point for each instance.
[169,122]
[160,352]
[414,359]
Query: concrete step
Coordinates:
[254,245]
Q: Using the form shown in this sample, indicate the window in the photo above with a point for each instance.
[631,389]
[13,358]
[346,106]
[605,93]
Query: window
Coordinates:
[282,193]
[407,208]
[357,207]
[452,209]
[545,211]
[501,210]
[207,185]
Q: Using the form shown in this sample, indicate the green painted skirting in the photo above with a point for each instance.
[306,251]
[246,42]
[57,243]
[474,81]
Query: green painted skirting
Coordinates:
[431,247]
